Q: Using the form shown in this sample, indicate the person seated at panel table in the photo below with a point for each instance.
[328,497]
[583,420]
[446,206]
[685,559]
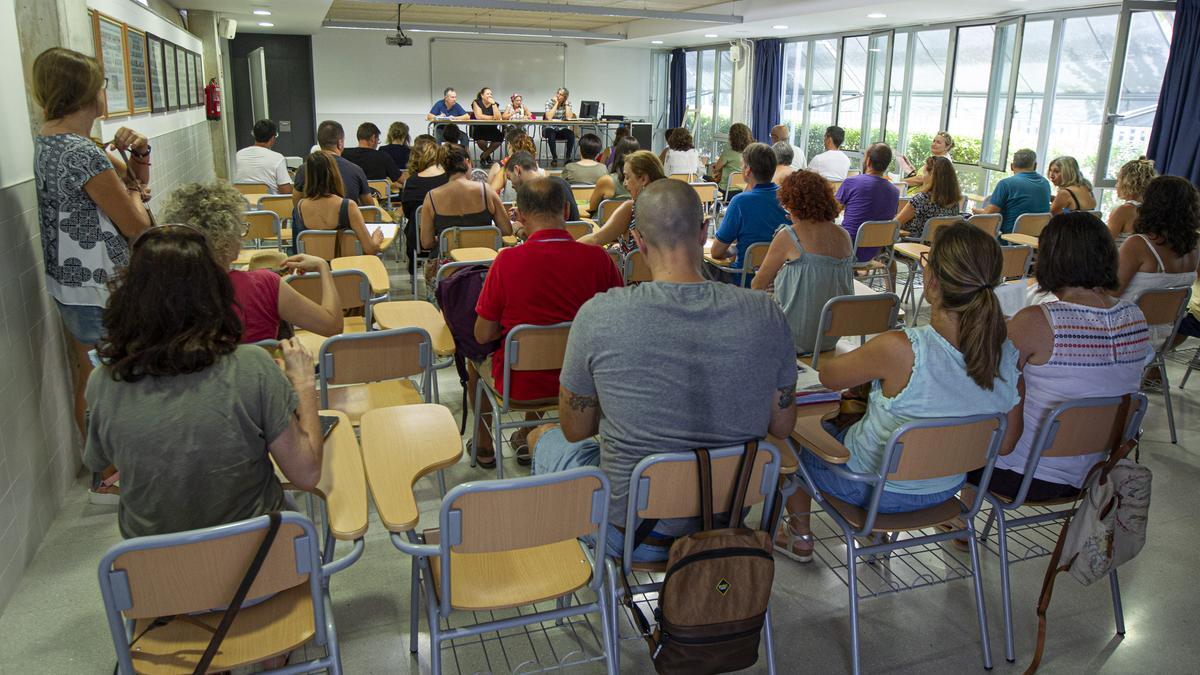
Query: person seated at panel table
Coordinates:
[446,109]
[543,281]
[681,156]
[783,158]
[325,207]
[1074,191]
[461,202]
[521,169]
[559,108]
[914,176]
[641,169]
[753,215]
[940,196]
[191,418]
[630,370]
[612,186]
[810,261]
[1025,191]
[606,157]
[375,163]
[833,164]
[730,160]
[781,134]
[517,110]
[517,141]
[587,171]
[398,146]
[258,163]
[869,195]
[487,137]
[332,139]
[1132,180]
[960,364]
[261,300]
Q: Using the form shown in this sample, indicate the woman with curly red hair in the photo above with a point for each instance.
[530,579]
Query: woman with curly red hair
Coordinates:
[809,262]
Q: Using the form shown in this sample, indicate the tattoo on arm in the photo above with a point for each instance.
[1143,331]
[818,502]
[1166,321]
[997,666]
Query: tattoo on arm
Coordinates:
[787,396]
[582,403]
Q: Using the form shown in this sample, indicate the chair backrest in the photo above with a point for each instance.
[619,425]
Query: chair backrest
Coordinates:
[252,188]
[1031,224]
[1017,260]
[988,222]
[293,162]
[381,185]
[903,202]
[353,287]
[847,315]
[582,193]
[756,253]
[936,223]
[269,259]
[707,192]
[606,209]
[1164,305]
[371,214]
[737,180]
[578,228]
[636,268]
[280,205]
[530,347]
[374,356]
[261,225]
[487,236]
[322,243]
[685,177]
[877,234]
[937,448]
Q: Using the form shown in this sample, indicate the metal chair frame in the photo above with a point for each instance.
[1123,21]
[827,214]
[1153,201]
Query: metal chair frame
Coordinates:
[276,226]
[748,269]
[827,317]
[889,253]
[316,234]
[1160,351]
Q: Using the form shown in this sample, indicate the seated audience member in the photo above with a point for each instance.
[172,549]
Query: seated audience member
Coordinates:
[447,109]
[1074,191]
[730,160]
[398,145]
[641,169]
[606,157]
[332,139]
[1084,344]
[809,262]
[425,172]
[869,195]
[940,196]
[454,136]
[587,170]
[612,186]
[681,156]
[258,163]
[833,164]
[375,163]
[559,108]
[608,387]
[960,364]
[1025,191]
[487,137]
[1132,180]
[543,281]
[325,207]
[915,177]
[521,169]
[754,214]
[191,419]
[517,141]
[260,299]
[1162,252]
[461,202]
[781,134]
[783,156]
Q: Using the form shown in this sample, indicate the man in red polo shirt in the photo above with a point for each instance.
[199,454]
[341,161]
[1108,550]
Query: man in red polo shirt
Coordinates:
[543,281]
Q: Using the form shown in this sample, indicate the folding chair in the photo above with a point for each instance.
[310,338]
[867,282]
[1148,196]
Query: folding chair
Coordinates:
[1089,426]
[710,197]
[911,252]
[282,206]
[636,270]
[252,188]
[1162,306]
[190,573]
[756,253]
[526,347]
[487,236]
[262,225]
[1031,224]
[988,222]
[606,209]
[882,234]
[918,450]
[354,292]
[664,486]
[322,243]
[365,371]
[860,315]
[481,558]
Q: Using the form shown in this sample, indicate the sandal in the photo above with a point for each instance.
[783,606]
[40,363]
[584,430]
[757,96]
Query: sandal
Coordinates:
[524,456]
[959,543]
[786,541]
[483,461]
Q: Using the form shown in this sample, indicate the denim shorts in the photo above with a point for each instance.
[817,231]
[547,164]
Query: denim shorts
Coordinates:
[85,323]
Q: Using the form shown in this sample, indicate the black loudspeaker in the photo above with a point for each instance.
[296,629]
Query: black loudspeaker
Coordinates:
[643,132]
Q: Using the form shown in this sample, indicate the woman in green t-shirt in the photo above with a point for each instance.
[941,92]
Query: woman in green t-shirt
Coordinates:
[730,160]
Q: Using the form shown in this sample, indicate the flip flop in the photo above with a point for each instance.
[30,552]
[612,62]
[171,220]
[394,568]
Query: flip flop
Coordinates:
[483,461]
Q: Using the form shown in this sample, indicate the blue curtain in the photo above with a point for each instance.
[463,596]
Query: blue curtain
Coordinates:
[768,85]
[677,102]
[1175,137]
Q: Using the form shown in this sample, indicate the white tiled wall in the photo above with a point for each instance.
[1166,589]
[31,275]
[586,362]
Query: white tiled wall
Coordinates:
[178,157]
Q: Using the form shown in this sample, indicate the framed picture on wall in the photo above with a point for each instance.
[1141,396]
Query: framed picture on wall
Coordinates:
[200,83]
[158,73]
[110,52]
[190,67]
[173,101]
[139,73]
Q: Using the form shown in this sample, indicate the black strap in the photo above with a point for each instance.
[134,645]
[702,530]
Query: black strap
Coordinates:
[742,485]
[704,469]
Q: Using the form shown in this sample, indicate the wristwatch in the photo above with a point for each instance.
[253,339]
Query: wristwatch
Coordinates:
[140,155]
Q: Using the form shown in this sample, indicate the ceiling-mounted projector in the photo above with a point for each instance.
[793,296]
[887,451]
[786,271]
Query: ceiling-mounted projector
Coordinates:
[399,40]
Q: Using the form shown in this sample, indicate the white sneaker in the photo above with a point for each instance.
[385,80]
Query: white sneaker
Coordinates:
[104,495]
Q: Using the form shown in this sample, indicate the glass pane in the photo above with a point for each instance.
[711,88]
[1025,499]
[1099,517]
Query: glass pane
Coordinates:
[1145,63]
[795,70]
[854,76]
[877,58]
[689,113]
[820,114]
[1083,69]
[968,95]
[1031,87]
[997,108]
[896,95]
[725,93]
[703,131]
[928,84]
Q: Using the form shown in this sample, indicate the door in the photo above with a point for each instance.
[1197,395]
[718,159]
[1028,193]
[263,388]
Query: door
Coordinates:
[258,84]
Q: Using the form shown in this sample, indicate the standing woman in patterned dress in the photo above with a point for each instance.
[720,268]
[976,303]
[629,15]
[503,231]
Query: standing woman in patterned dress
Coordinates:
[88,211]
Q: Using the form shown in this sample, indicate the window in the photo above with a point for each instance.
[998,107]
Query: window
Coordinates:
[1083,69]
[968,96]
[853,90]
[795,76]
[924,120]
[896,98]
[877,92]
[705,101]
[1000,95]
[1031,87]
[820,107]
[724,92]
[1142,75]
[689,113]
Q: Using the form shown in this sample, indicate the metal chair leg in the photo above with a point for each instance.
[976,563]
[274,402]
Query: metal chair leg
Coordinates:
[497,439]
[1010,651]
[414,606]
[977,578]
[852,574]
[1118,612]
[1166,390]
[1194,364]
[435,638]
[769,640]
[476,420]
[987,527]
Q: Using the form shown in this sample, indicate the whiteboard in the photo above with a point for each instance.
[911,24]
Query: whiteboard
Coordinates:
[533,69]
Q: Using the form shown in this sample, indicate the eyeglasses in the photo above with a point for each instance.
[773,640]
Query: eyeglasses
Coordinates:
[105,84]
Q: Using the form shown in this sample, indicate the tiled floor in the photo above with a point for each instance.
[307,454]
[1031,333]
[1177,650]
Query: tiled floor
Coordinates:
[55,624]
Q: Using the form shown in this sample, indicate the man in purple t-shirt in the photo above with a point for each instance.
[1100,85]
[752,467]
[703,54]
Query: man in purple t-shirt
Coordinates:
[869,195]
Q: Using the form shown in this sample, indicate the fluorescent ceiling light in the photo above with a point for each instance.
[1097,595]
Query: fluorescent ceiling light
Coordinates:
[779,27]
[266,24]
[589,10]
[877,15]
[262,12]
[656,42]
[710,35]
[473,30]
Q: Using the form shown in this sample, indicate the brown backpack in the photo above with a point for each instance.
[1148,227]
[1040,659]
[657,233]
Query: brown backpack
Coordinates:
[713,599]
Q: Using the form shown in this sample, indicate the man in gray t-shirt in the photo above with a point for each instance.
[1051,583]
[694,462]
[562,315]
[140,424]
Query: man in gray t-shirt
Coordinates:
[672,365]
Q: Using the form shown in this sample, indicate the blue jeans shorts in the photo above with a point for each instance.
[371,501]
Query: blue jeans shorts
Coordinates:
[85,323]
[554,452]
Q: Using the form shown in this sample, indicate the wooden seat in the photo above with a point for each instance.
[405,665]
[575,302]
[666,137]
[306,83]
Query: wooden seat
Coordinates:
[364,371]
[898,522]
[737,181]
[488,237]
[535,405]
[911,250]
[280,205]
[252,188]
[881,234]
[370,265]
[1021,240]
[424,315]
[355,401]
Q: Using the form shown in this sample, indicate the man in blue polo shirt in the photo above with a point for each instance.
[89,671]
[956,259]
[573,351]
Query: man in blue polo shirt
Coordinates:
[754,214]
[1026,191]
[447,109]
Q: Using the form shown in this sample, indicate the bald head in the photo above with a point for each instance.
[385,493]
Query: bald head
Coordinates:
[779,133]
[670,216]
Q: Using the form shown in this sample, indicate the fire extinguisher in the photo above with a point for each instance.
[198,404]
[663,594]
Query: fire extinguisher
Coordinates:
[212,100]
